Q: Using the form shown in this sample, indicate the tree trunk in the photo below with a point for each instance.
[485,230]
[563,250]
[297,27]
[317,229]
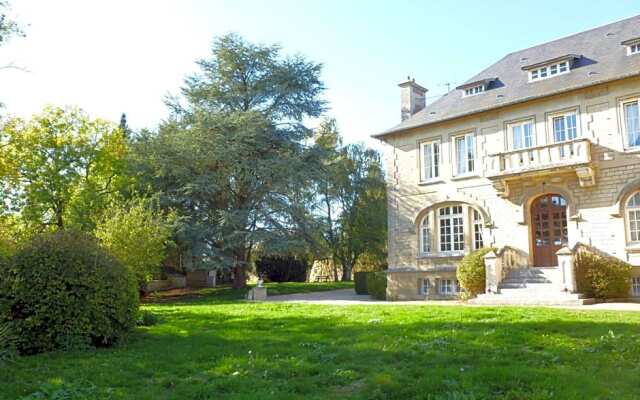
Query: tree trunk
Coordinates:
[346,272]
[240,271]
[335,269]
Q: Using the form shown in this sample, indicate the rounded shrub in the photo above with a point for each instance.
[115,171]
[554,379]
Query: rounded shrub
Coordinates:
[603,277]
[61,291]
[471,273]
[377,285]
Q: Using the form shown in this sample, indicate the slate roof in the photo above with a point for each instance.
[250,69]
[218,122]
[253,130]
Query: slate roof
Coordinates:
[602,58]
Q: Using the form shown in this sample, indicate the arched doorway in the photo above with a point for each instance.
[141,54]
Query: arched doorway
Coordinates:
[548,228]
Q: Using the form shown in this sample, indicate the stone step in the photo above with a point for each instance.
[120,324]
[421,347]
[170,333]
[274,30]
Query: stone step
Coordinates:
[531,286]
[551,299]
[514,284]
[498,300]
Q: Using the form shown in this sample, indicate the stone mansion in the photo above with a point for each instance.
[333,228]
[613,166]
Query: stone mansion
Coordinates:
[534,156]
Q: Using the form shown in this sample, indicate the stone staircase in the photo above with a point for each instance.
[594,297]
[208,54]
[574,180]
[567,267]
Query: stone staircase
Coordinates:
[531,286]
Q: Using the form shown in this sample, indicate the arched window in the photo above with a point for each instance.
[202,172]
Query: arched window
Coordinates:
[425,235]
[633,217]
[450,229]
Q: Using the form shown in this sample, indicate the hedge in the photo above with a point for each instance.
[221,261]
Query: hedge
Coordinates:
[471,272]
[377,285]
[282,269]
[602,277]
[62,291]
[360,279]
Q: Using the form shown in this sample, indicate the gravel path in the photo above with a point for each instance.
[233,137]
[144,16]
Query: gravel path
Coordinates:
[349,297]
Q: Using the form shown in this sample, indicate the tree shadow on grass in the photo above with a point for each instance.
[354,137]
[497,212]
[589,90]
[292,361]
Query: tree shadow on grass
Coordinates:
[279,351]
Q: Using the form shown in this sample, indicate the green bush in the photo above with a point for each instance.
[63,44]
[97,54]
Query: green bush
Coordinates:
[471,272]
[7,344]
[282,269]
[602,277]
[62,291]
[377,285]
[147,318]
[360,279]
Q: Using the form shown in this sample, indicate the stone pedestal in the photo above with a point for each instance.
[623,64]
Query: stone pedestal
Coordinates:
[257,294]
[565,262]
[493,272]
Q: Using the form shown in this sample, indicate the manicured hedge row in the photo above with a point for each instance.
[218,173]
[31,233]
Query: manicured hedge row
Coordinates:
[602,277]
[360,279]
[377,285]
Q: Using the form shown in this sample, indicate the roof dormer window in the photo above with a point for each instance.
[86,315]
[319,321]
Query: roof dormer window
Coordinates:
[550,68]
[475,87]
[633,46]
[474,90]
[549,71]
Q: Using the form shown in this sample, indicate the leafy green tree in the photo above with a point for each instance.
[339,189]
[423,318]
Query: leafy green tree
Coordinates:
[8,27]
[350,199]
[61,168]
[137,234]
[233,148]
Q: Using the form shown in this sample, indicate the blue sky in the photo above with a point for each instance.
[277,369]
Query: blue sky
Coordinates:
[119,56]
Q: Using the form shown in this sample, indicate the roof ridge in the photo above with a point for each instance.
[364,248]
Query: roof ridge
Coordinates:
[573,34]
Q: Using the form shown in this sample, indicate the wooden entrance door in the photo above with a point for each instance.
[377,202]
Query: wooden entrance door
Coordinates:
[548,228]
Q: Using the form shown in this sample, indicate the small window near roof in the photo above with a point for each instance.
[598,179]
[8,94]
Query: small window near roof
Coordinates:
[473,90]
[633,49]
[549,71]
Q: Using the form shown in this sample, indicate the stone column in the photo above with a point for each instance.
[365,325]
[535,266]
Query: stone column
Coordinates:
[492,279]
[565,262]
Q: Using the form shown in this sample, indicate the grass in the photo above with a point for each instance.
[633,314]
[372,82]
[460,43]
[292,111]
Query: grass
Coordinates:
[222,349]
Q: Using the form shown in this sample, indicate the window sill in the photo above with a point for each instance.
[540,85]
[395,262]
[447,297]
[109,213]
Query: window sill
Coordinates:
[465,176]
[443,254]
[633,248]
[430,182]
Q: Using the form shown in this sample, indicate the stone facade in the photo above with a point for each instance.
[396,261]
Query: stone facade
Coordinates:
[595,174]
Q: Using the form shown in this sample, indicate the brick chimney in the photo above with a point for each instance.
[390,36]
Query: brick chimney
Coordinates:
[412,98]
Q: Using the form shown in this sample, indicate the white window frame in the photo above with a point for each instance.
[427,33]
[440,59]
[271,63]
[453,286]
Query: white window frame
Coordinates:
[435,152]
[564,115]
[469,162]
[475,90]
[635,286]
[451,227]
[633,49]
[477,225]
[425,235]
[632,218]
[521,124]
[425,286]
[446,287]
[549,71]
[625,129]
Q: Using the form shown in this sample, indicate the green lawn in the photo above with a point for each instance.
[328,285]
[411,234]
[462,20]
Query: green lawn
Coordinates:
[211,349]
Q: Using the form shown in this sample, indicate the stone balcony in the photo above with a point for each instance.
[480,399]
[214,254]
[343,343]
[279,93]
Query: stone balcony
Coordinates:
[573,155]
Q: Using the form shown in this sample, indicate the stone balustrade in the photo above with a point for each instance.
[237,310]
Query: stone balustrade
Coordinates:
[569,153]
